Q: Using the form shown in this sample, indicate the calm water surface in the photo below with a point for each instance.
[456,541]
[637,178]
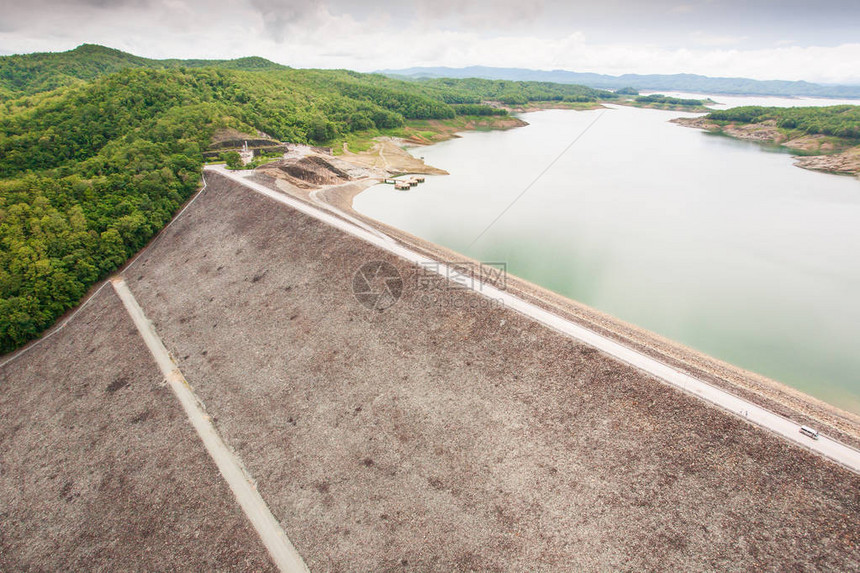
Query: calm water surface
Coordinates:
[716,243]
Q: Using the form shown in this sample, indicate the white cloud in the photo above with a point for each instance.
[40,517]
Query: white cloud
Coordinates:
[702,38]
[318,34]
[486,15]
[280,17]
[681,9]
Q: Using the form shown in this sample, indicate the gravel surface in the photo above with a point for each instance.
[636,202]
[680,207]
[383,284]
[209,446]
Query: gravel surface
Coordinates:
[454,436]
[100,469]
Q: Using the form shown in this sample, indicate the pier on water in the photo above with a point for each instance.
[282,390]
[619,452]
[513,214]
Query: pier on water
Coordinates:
[405,183]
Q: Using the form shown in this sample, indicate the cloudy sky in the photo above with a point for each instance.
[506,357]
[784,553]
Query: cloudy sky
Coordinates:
[764,39]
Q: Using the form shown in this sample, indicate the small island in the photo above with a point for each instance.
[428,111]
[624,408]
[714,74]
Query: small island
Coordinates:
[664,102]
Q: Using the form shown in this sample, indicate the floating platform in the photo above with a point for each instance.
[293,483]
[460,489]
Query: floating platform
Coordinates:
[405,183]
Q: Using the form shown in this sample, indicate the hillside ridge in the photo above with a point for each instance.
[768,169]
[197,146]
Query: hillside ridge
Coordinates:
[666,82]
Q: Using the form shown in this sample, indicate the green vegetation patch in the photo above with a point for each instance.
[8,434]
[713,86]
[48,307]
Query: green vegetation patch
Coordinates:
[668,100]
[475,91]
[841,121]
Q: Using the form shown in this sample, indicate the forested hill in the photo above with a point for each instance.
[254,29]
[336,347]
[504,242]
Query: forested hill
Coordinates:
[33,73]
[98,149]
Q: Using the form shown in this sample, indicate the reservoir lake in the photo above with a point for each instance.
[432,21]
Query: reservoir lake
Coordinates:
[720,244]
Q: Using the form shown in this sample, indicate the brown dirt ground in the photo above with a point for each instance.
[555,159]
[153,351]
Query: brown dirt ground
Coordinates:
[388,156]
[446,437]
[846,162]
[228,137]
[311,171]
[812,143]
[100,469]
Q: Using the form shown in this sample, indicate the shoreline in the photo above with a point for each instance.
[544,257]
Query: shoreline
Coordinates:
[432,131]
[815,152]
[774,395]
[758,389]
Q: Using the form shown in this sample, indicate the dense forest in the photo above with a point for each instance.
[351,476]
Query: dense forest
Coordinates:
[838,120]
[98,149]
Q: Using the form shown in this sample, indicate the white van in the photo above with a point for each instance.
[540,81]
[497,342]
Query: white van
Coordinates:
[807,431]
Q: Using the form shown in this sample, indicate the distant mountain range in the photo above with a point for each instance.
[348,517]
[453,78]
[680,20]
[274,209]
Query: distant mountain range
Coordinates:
[670,82]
